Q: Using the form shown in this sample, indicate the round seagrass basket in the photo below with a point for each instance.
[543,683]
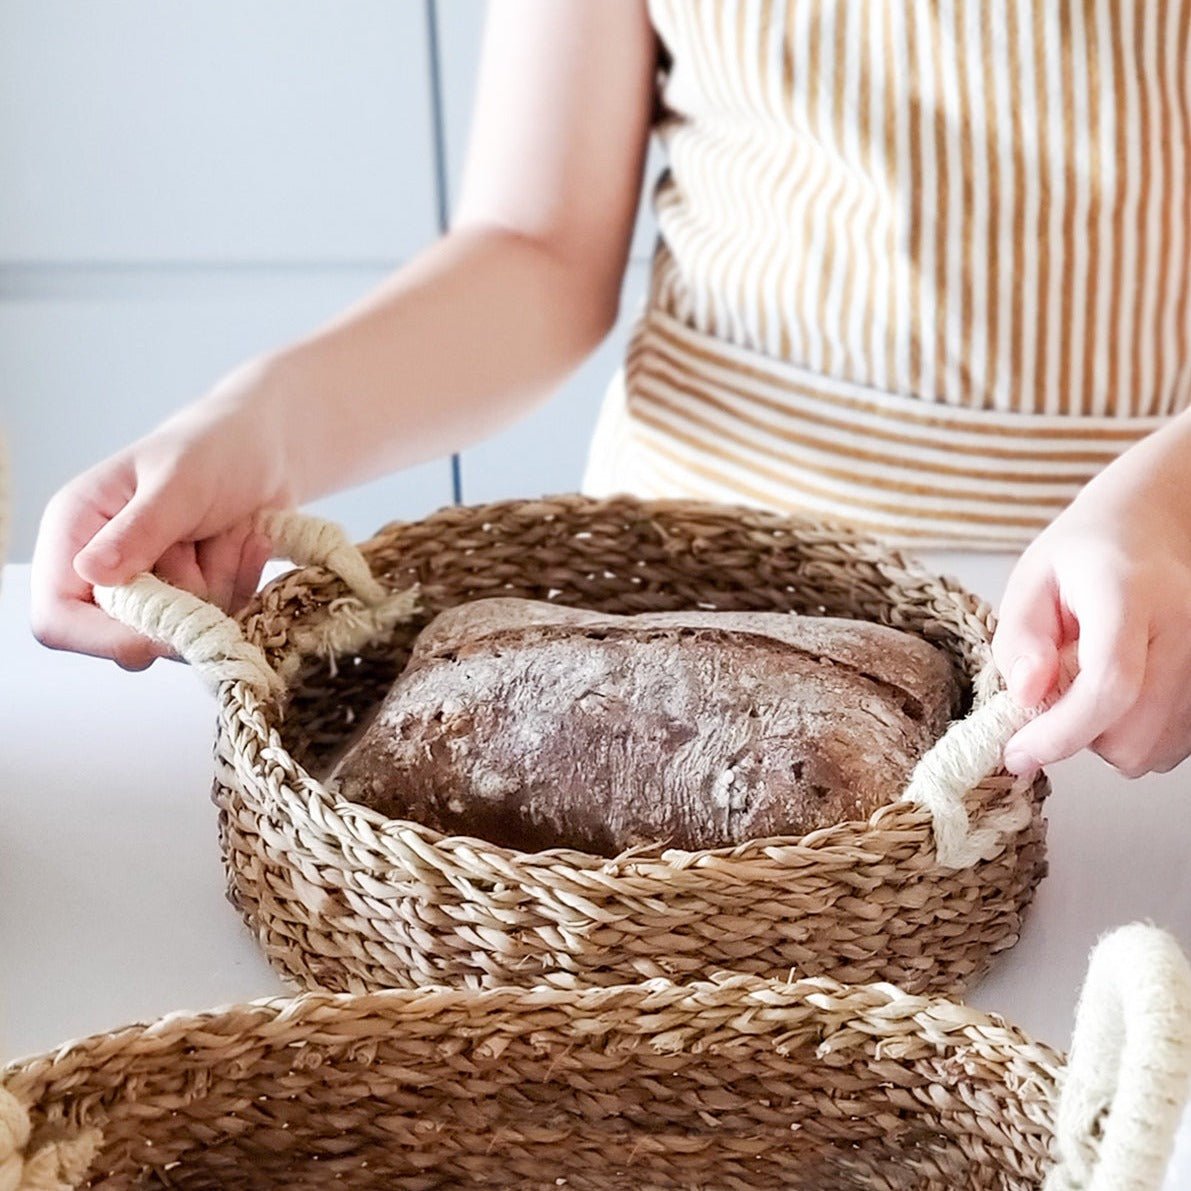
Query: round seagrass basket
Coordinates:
[740,1083]
[923,893]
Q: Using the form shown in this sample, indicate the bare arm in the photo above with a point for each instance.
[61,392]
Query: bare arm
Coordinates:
[456,344]
[468,336]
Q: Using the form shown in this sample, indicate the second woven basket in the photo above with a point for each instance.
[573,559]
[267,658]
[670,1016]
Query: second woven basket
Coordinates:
[923,893]
[738,1085]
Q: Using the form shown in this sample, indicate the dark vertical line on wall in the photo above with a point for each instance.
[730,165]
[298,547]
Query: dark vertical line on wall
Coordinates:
[438,116]
[440,177]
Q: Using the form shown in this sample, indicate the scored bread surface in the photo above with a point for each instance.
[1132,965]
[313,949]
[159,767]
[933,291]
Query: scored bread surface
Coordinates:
[535,726]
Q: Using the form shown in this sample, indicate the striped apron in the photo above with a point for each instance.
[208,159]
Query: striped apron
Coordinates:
[922,266]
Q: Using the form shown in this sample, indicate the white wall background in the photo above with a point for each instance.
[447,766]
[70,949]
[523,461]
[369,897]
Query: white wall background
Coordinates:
[185,185]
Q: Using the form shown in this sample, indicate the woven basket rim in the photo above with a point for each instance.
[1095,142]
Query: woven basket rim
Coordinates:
[809,997]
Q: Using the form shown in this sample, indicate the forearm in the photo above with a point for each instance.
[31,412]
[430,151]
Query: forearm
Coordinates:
[1156,471]
[454,346]
[467,337]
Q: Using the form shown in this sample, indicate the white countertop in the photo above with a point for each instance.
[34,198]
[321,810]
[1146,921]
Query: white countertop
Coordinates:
[111,887]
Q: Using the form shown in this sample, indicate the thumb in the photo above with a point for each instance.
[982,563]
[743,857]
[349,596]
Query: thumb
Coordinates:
[1028,638]
[136,537]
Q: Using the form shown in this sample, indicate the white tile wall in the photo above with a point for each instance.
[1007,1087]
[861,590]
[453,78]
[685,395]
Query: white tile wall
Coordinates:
[90,363]
[188,184]
[264,130]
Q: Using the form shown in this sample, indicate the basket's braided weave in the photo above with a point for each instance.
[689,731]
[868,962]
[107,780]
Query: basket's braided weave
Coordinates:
[737,1084]
[346,899]
[53,1166]
[309,541]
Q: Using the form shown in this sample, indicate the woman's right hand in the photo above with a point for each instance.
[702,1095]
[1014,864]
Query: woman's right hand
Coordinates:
[459,342]
[180,503]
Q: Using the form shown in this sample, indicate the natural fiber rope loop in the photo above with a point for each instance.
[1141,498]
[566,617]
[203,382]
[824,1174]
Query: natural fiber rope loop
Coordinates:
[210,640]
[961,758]
[197,631]
[311,541]
[966,754]
[56,1166]
[1129,1072]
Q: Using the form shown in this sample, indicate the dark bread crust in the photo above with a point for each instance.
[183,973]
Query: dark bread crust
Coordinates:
[535,726]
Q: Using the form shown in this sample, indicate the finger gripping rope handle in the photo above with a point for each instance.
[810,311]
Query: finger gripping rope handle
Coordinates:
[213,643]
[55,1166]
[961,758]
[1130,1067]
[197,631]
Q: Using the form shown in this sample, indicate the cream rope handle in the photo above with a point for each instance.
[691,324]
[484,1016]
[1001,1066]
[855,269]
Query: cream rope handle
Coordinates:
[212,642]
[311,541]
[1129,1072]
[961,758]
[54,1166]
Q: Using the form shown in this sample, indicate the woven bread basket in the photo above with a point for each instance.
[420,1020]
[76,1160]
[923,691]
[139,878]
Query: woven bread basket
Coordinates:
[740,1083]
[923,893]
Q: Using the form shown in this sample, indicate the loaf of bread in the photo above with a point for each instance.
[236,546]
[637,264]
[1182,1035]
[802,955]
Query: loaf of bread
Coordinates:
[535,726]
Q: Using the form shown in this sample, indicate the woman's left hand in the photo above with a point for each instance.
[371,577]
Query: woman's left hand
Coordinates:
[1110,577]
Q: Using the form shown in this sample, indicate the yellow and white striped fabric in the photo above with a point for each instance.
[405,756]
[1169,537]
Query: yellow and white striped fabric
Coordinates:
[922,265]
